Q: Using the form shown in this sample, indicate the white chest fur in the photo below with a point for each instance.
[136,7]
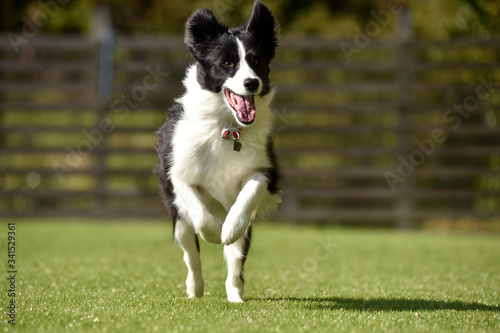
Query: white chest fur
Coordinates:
[204,160]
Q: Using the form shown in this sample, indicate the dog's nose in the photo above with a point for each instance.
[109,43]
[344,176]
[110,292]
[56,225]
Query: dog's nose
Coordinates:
[251,84]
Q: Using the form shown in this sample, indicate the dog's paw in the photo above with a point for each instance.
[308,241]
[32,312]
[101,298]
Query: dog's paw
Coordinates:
[228,236]
[234,227]
[194,287]
[210,230]
[234,295]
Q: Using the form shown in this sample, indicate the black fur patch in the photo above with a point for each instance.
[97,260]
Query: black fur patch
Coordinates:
[164,150]
[197,240]
[273,173]
[246,248]
[210,44]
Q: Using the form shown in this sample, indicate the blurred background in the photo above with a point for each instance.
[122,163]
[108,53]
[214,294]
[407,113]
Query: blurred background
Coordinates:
[387,111]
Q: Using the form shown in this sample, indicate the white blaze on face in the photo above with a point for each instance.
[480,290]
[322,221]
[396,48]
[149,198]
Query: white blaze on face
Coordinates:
[236,83]
[239,98]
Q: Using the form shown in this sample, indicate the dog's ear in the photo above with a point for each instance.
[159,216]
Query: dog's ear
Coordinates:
[202,28]
[262,24]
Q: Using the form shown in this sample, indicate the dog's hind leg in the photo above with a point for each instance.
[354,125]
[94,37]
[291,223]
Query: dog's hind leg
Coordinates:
[235,256]
[186,238]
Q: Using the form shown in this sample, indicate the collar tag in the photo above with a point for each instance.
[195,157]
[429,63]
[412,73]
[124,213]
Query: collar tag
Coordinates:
[232,134]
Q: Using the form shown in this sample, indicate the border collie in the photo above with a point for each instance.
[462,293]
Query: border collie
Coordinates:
[217,166]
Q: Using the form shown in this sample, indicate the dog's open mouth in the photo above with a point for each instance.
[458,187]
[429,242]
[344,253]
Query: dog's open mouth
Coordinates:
[243,105]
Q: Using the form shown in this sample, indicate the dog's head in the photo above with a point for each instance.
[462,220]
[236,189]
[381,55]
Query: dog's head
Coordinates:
[236,62]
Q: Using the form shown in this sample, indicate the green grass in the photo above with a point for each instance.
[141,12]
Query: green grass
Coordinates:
[80,276]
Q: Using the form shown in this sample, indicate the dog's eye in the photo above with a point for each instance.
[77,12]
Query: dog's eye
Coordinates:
[227,64]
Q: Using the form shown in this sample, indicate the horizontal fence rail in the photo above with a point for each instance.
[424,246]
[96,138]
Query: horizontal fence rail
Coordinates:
[403,133]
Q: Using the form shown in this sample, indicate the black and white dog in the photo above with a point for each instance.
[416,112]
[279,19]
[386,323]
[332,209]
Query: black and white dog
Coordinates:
[217,166]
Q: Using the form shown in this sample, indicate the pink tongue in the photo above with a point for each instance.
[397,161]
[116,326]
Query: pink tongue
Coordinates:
[245,108]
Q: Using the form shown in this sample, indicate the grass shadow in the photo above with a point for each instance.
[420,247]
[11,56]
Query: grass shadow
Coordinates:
[382,304]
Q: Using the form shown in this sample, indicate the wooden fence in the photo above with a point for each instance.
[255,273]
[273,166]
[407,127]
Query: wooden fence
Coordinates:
[395,133]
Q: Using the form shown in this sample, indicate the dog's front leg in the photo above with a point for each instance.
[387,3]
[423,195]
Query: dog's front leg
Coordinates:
[192,207]
[243,210]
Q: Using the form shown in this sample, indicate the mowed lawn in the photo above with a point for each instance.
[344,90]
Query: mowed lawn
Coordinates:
[85,276]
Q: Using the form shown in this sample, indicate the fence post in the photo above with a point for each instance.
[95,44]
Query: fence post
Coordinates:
[404,202]
[3,136]
[103,33]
